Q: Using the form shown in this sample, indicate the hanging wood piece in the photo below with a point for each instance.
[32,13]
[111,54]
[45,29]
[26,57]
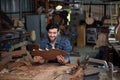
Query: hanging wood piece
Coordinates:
[89,20]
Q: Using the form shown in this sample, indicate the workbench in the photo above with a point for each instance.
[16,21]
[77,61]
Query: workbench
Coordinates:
[46,71]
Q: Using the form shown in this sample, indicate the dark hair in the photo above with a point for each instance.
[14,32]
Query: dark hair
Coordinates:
[51,26]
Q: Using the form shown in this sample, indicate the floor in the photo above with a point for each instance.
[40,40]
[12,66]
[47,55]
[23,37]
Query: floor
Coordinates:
[82,53]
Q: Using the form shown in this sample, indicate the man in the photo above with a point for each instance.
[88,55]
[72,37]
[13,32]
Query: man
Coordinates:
[53,41]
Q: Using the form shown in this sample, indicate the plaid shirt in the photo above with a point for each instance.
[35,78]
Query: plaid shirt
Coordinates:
[61,43]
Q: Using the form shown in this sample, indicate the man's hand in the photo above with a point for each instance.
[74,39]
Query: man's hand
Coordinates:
[39,59]
[61,59]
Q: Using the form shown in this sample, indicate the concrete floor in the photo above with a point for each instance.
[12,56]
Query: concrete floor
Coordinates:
[82,52]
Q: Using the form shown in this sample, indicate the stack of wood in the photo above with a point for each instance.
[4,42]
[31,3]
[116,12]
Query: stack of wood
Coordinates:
[107,22]
[13,59]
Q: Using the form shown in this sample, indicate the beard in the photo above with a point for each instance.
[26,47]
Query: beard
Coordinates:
[52,39]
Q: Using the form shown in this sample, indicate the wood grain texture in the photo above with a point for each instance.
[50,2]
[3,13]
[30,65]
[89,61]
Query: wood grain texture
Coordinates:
[49,54]
[43,72]
[17,53]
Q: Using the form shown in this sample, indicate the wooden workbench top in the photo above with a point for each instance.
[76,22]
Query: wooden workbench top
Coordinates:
[43,72]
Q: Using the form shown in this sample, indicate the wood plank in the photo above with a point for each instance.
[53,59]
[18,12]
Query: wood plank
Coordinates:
[81,40]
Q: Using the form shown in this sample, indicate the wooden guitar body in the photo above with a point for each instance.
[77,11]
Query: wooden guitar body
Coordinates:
[49,54]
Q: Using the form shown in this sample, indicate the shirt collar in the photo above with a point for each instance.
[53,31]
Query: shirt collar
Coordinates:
[57,40]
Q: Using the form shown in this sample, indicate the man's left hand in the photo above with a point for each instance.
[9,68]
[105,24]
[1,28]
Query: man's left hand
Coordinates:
[61,59]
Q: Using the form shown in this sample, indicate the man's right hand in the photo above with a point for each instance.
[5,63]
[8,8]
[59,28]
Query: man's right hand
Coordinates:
[38,59]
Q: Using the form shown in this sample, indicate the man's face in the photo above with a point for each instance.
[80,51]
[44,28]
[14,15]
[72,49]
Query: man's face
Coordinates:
[52,34]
